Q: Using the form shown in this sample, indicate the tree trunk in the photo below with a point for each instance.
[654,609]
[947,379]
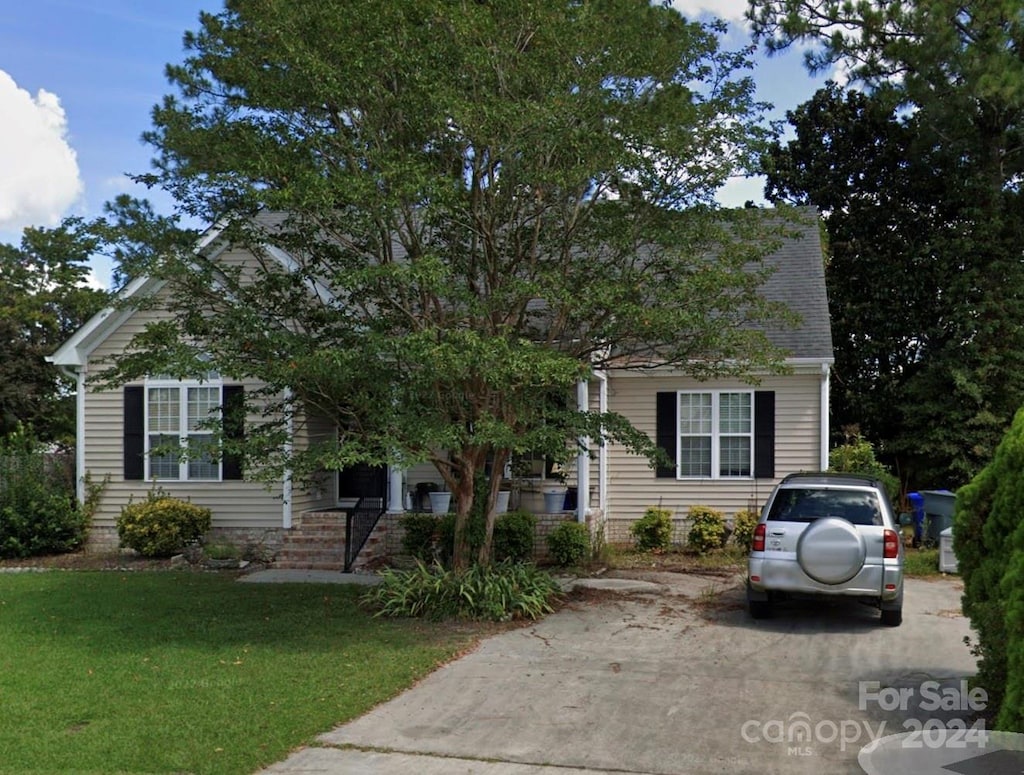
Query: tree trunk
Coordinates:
[497,468]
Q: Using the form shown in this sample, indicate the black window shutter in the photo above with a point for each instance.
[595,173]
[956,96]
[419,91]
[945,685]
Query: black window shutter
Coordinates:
[134,432]
[234,428]
[764,434]
[666,432]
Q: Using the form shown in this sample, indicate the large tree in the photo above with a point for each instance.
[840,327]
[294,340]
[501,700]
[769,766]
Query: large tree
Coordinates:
[44,296]
[478,204]
[957,70]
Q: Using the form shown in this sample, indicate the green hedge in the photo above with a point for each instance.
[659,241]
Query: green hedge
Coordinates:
[38,510]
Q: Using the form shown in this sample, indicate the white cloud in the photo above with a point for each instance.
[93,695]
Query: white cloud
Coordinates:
[39,178]
[730,10]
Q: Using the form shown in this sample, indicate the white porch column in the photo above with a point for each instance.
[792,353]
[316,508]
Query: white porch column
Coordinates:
[825,398]
[396,496]
[583,458]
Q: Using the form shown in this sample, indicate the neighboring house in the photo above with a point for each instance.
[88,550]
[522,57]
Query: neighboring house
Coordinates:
[731,441]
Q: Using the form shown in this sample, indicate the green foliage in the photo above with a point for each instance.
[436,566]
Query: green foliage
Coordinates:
[569,543]
[38,511]
[160,525]
[498,592]
[707,529]
[857,456]
[653,531]
[514,535]
[421,535]
[986,533]
[923,218]
[44,297]
[743,525]
[1011,710]
[546,147]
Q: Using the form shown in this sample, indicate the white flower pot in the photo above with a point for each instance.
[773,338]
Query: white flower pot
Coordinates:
[440,502]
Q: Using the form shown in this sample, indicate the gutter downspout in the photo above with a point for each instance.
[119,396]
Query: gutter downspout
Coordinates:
[286,484]
[824,401]
[78,374]
[583,458]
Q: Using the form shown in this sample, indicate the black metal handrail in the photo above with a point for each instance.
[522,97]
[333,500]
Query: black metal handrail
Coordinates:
[360,520]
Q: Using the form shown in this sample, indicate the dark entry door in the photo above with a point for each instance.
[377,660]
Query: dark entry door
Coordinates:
[362,480]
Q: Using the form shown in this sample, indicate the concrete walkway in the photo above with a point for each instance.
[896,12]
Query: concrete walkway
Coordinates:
[273,576]
[672,677]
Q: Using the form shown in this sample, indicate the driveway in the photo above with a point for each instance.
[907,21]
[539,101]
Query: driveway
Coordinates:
[675,678]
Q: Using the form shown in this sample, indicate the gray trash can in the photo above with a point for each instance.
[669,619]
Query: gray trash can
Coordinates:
[938,510]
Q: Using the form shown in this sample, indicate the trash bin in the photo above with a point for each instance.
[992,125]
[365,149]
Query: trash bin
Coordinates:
[938,509]
[947,559]
[917,511]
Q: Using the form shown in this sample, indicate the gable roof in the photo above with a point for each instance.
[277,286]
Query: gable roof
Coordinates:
[798,281]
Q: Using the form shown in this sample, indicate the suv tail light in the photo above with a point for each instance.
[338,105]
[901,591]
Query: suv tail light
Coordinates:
[891,548]
[758,543]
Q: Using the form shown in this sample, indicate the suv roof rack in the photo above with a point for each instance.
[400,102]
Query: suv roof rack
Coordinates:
[834,477]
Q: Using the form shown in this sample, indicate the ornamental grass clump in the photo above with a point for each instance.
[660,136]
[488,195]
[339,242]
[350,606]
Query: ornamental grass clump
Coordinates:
[500,592]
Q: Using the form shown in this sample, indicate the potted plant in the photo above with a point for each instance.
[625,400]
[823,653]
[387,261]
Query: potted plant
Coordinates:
[440,501]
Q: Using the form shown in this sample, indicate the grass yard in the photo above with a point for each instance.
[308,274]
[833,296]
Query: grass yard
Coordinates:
[187,672]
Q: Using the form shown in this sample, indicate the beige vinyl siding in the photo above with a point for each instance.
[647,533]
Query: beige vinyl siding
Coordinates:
[235,504]
[323,492]
[632,484]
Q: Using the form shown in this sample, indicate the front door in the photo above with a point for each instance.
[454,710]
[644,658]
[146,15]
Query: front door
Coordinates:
[361,481]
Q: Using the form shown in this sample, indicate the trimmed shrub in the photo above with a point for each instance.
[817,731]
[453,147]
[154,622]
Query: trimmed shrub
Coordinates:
[421,535]
[513,536]
[569,543]
[653,531]
[496,593]
[986,532]
[743,525]
[161,526]
[38,511]
[707,529]
[857,456]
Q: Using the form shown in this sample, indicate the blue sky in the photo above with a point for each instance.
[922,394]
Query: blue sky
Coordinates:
[78,79]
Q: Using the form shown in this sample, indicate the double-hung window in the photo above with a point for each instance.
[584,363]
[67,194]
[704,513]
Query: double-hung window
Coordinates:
[716,434]
[179,438]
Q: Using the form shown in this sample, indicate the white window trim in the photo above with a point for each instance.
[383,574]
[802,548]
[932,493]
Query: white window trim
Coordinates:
[183,433]
[716,436]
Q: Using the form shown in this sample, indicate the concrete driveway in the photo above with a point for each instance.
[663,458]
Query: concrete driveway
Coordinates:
[673,679]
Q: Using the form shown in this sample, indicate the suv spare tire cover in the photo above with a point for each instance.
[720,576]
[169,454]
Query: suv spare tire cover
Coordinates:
[831,550]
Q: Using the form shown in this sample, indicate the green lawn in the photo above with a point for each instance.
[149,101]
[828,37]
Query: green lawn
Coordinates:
[174,672]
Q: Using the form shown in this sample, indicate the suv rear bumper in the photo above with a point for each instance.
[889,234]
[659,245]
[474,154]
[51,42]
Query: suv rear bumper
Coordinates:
[784,574]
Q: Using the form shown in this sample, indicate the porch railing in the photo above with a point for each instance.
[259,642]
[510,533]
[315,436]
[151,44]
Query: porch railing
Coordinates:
[360,520]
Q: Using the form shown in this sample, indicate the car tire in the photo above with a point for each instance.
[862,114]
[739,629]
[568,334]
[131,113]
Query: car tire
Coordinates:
[760,609]
[892,617]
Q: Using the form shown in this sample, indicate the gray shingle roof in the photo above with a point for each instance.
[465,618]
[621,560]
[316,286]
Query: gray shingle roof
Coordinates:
[799,283]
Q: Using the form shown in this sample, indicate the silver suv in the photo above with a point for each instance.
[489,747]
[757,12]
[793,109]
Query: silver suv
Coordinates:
[825,535]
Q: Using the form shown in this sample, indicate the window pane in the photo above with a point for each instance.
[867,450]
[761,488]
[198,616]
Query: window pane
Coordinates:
[202,403]
[734,413]
[163,457]
[734,456]
[164,411]
[695,456]
[201,463]
[695,413]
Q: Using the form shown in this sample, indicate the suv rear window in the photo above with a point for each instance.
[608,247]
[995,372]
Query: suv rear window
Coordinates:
[808,504]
